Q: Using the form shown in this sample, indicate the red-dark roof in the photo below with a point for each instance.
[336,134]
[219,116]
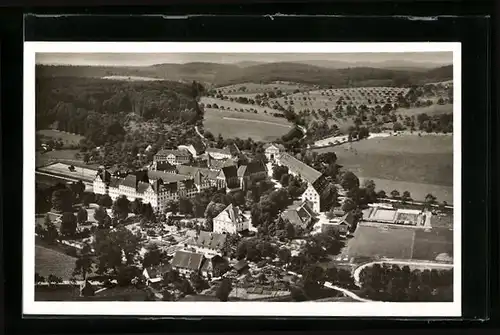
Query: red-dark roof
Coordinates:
[187,260]
[211,240]
[298,167]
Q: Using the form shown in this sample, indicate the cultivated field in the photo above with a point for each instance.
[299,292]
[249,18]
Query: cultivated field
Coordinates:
[259,127]
[48,261]
[418,164]
[251,89]
[67,138]
[370,242]
[236,106]
[429,110]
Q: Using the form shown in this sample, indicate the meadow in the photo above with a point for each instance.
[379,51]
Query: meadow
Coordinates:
[48,261]
[259,127]
[236,106]
[418,164]
[68,139]
[252,89]
[57,155]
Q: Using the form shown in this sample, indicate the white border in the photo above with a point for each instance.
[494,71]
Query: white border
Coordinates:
[272,309]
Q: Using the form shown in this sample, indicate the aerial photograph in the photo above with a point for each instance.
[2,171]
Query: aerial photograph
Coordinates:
[229,177]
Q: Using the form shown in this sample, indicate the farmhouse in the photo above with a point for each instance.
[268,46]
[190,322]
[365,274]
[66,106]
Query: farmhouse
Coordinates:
[299,215]
[174,157]
[196,148]
[214,267]
[272,151]
[231,220]
[154,274]
[316,181]
[187,262]
[209,243]
[341,224]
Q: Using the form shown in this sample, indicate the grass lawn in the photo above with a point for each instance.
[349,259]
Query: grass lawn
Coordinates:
[418,164]
[67,138]
[259,127]
[57,293]
[371,242]
[59,155]
[48,261]
[430,110]
[428,245]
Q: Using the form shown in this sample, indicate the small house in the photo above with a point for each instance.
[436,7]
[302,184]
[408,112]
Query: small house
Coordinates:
[187,262]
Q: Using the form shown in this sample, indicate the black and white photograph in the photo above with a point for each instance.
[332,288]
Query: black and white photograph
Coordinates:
[275,179]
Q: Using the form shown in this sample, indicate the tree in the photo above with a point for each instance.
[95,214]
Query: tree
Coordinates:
[349,181]
[87,199]
[406,196]
[348,205]
[39,278]
[185,206]
[135,206]
[430,199]
[199,284]
[62,200]
[105,201]
[53,280]
[82,215]
[224,289]
[121,208]
[381,194]
[284,180]
[78,188]
[285,255]
[84,263]
[152,257]
[278,171]
[172,206]
[290,231]
[100,215]
[68,224]
[395,194]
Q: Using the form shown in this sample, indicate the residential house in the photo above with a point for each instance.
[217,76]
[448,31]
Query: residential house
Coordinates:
[215,266]
[218,164]
[300,215]
[316,181]
[251,173]
[229,151]
[272,151]
[154,274]
[340,225]
[174,157]
[231,220]
[209,243]
[164,166]
[187,262]
[196,148]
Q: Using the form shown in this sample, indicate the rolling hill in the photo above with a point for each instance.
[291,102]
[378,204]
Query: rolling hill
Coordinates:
[228,74]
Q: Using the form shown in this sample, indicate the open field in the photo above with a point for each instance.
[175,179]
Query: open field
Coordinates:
[252,89]
[50,156]
[132,78]
[418,164]
[62,169]
[67,138]
[259,127]
[236,106]
[429,110]
[371,242]
[48,261]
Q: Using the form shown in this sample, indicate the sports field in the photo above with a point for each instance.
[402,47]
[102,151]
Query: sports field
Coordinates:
[374,242]
[259,127]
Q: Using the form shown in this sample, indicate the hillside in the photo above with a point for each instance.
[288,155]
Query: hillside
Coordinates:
[229,74]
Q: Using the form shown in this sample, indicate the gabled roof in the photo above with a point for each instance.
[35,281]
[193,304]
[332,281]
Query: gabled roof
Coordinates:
[191,171]
[187,260]
[224,151]
[164,166]
[129,181]
[279,146]
[176,153]
[296,166]
[211,240]
[166,177]
[142,187]
[158,271]
[230,171]
[233,212]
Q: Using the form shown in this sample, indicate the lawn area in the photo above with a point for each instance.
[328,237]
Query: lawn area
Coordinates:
[372,242]
[57,293]
[59,155]
[48,261]
[67,138]
[430,110]
[259,127]
[428,245]
[418,164]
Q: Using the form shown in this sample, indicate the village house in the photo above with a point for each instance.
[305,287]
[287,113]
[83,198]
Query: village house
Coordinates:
[209,243]
[174,157]
[272,151]
[229,151]
[154,274]
[164,166]
[231,220]
[187,263]
[215,266]
[316,181]
[196,148]
[218,164]
[340,224]
[300,215]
